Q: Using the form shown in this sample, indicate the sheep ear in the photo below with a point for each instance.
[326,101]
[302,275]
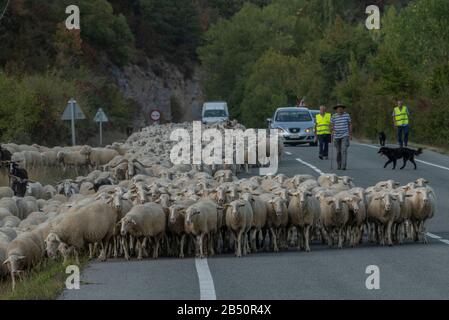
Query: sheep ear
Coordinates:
[7,261]
[133,222]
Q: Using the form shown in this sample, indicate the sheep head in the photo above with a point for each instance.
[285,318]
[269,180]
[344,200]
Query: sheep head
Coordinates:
[52,243]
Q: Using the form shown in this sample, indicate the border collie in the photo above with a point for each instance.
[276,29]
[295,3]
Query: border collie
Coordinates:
[394,154]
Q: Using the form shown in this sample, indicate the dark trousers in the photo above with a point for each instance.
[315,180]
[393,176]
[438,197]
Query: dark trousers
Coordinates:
[324,140]
[403,133]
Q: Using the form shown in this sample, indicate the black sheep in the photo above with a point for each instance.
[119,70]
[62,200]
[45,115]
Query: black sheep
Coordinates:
[15,171]
[19,187]
[5,155]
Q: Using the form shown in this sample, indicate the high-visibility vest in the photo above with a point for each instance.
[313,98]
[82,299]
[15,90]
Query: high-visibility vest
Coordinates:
[323,124]
[401,116]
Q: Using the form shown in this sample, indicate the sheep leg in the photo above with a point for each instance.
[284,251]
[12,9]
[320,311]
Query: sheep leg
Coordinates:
[104,250]
[307,238]
[181,246]
[211,243]
[238,247]
[200,245]
[125,248]
[388,230]
[156,247]
[139,249]
[340,238]
[273,234]
[115,254]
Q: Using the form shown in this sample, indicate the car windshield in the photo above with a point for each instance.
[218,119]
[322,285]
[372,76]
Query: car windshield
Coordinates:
[215,114]
[293,116]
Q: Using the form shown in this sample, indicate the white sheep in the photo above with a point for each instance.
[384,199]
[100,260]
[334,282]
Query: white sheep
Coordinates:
[239,220]
[144,222]
[202,221]
[304,212]
[91,224]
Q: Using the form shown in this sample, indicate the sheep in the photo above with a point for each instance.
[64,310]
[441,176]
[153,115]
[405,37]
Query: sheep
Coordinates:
[383,210]
[10,205]
[223,176]
[294,182]
[277,217]
[23,253]
[308,185]
[98,156]
[424,206]
[33,219]
[334,216]
[74,159]
[6,192]
[402,224]
[143,222]
[87,188]
[259,217]
[36,190]
[239,220]
[10,222]
[303,211]
[91,224]
[176,223]
[357,216]
[4,213]
[327,180]
[49,192]
[202,220]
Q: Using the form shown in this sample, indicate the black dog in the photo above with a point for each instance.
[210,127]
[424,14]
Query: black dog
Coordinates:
[394,154]
[382,139]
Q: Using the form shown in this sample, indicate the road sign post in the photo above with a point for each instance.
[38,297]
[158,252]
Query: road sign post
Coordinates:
[72,113]
[101,118]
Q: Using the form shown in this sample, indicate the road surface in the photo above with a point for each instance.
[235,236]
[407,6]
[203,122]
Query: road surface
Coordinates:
[410,271]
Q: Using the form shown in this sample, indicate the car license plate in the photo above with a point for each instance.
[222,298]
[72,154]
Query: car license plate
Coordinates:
[294,136]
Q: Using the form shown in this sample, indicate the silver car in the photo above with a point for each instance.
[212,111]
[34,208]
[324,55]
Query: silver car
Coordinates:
[296,125]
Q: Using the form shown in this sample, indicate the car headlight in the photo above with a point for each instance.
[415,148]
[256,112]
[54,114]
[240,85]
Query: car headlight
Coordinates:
[310,130]
[280,130]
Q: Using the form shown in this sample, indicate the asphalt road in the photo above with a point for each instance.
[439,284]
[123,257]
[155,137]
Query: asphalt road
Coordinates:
[409,271]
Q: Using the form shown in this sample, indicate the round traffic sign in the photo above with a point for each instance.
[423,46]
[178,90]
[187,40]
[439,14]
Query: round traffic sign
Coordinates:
[155,115]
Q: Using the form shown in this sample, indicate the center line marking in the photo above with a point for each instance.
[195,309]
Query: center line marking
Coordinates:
[310,166]
[433,236]
[207,288]
[288,153]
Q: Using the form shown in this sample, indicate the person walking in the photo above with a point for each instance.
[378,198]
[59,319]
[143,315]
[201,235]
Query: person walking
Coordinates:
[323,132]
[401,120]
[342,134]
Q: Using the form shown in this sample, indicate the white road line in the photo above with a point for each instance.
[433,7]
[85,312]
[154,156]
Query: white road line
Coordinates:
[310,166]
[288,153]
[433,165]
[420,161]
[444,241]
[207,288]
[433,236]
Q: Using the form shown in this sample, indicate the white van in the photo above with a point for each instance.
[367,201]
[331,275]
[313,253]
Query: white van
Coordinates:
[215,112]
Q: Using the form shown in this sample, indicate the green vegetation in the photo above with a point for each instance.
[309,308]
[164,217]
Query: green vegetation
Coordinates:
[45,282]
[257,55]
[266,57]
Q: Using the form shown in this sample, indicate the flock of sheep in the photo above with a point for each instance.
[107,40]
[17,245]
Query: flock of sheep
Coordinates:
[141,205]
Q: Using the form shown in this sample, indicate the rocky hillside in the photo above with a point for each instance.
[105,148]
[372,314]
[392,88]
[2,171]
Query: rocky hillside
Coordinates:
[162,86]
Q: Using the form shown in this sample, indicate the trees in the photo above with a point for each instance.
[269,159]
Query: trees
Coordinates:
[250,59]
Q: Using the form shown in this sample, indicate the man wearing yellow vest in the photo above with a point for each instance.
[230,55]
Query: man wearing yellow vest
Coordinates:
[401,119]
[323,132]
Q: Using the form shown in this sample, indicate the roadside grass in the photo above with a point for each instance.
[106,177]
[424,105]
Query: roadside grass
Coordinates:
[46,175]
[45,282]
